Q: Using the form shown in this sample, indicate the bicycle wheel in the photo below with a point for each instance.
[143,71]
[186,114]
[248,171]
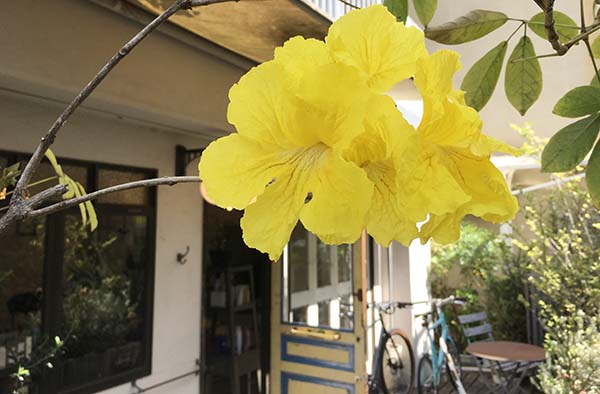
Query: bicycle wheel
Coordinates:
[425,376]
[452,350]
[397,364]
[425,380]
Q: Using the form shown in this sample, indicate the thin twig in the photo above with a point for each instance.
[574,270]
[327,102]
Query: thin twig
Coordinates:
[18,204]
[51,134]
[59,206]
[535,57]
[591,53]
[586,40]
[349,4]
[50,178]
[516,30]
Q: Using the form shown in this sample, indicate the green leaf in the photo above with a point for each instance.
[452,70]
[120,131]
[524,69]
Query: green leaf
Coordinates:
[581,101]
[564,26]
[9,176]
[399,8]
[92,217]
[481,79]
[425,10]
[52,159]
[596,47]
[592,175]
[469,27]
[523,79]
[569,146]
[80,191]
[594,82]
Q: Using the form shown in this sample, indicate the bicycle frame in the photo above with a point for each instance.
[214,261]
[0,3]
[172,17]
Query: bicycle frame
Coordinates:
[374,383]
[437,355]
[439,352]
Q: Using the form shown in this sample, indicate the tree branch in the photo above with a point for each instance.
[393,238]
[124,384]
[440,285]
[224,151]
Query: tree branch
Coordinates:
[51,134]
[553,37]
[18,202]
[59,206]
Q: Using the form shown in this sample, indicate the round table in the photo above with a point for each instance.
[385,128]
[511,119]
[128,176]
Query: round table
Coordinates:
[511,359]
[507,351]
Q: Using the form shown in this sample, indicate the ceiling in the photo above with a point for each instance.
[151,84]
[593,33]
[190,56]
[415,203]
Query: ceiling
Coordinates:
[251,28]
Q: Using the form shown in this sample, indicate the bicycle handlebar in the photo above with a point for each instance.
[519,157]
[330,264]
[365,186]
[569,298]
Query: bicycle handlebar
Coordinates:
[390,307]
[439,302]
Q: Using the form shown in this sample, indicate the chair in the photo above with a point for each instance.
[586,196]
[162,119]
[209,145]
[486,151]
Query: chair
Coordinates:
[476,327]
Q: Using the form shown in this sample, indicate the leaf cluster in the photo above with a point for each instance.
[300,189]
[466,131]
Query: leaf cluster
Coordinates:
[482,268]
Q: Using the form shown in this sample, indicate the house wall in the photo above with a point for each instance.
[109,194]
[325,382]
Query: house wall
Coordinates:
[166,93]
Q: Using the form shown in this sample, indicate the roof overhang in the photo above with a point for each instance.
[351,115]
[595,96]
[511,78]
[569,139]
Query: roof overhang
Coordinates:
[251,28]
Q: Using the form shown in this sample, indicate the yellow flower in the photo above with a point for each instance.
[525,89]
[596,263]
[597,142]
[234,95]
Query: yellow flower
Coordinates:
[285,161]
[379,151]
[453,176]
[317,142]
[383,50]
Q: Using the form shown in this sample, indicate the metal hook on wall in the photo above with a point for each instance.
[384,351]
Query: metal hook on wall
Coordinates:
[181,257]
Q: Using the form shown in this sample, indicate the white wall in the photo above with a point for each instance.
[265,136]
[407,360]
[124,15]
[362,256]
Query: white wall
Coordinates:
[179,220]
[560,73]
[167,92]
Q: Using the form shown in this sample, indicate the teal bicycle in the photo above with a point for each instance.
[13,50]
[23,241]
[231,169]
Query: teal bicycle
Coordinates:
[441,366]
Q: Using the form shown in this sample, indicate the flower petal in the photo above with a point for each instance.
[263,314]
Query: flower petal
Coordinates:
[430,186]
[341,196]
[377,151]
[268,223]
[384,50]
[490,199]
[332,104]
[235,169]
[263,108]
[299,55]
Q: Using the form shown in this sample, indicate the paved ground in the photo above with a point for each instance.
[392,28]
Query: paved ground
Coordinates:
[474,385]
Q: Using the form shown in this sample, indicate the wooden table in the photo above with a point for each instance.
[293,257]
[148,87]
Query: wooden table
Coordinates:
[519,356]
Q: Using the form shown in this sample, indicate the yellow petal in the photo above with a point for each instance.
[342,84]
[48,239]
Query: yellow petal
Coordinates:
[235,169]
[384,50]
[299,55]
[430,185]
[263,108]
[377,151]
[341,196]
[447,120]
[433,75]
[490,199]
[332,103]
[485,145]
[268,223]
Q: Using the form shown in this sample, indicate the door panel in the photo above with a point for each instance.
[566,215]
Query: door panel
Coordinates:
[317,341]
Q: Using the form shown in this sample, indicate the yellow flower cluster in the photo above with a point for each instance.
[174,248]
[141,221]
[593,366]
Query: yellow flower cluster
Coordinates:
[319,141]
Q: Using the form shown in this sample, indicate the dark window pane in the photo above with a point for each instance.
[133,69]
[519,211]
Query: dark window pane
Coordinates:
[104,285]
[344,261]
[107,178]
[298,259]
[21,268]
[323,264]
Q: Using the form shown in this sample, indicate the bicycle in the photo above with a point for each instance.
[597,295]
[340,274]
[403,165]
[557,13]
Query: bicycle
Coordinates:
[442,364]
[394,361]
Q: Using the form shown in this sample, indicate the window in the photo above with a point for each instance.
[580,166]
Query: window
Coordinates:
[93,289]
[317,282]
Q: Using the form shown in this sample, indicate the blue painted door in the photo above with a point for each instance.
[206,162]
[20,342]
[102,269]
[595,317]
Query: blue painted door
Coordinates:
[317,341]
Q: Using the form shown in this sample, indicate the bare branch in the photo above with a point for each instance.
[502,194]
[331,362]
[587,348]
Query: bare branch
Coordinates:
[46,195]
[59,206]
[19,205]
[553,37]
[51,134]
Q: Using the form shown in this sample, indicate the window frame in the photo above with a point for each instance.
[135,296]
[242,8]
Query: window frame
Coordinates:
[53,264]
